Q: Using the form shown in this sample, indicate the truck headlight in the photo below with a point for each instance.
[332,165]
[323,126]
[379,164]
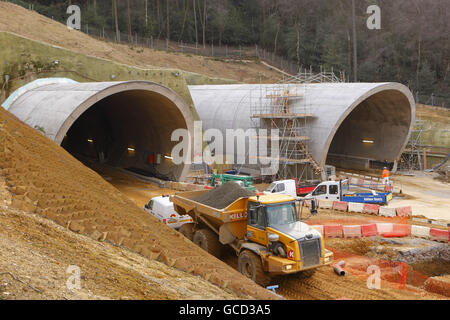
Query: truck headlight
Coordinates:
[288,266]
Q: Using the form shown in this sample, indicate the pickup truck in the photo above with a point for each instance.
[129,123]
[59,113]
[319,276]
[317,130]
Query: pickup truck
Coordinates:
[162,209]
[340,191]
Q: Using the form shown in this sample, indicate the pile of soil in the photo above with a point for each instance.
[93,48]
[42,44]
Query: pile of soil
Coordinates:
[224,195]
[44,179]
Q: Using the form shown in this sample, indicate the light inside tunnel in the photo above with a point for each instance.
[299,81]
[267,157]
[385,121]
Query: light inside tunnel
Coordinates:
[384,118]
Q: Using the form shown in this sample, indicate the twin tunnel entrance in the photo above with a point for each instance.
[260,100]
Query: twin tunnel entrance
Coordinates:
[129,124]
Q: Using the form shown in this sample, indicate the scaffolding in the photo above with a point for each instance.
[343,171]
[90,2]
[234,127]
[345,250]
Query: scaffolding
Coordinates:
[284,106]
[412,157]
[277,108]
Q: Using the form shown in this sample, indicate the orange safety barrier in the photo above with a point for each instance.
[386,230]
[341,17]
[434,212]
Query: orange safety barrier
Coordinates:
[439,235]
[340,205]
[393,274]
[332,231]
[371,208]
[352,231]
[404,211]
[369,230]
[398,230]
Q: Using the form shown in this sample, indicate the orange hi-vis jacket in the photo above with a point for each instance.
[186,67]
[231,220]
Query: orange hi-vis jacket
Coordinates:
[385,174]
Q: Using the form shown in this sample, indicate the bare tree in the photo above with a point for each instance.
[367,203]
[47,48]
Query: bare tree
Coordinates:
[130,36]
[186,9]
[203,20]
[168,24]
[116,20]
[355,50]
[195,24]
[146,12]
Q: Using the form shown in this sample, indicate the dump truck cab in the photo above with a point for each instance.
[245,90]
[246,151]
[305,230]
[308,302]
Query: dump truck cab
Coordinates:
[284,243]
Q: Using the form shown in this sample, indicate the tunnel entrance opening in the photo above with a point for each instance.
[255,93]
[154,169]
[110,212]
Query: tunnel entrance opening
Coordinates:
[129,130]
[372,134]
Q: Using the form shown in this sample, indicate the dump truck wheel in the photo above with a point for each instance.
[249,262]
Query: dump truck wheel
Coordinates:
[208,241]
[249,264]
[187,230]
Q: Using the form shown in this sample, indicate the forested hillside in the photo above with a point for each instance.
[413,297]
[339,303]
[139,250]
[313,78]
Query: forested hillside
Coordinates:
[412,46]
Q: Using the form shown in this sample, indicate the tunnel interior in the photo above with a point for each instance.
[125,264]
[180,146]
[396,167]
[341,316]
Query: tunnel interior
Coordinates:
[130,130]
[373,133]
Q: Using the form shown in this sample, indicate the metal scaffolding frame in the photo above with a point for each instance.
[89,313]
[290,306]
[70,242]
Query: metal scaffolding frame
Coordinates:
[412,156]
[276,109]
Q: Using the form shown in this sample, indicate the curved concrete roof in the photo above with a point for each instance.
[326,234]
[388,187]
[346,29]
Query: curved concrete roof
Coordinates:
[143,114]
[346,112]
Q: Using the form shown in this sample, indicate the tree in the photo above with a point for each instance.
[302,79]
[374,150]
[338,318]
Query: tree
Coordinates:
[130,36]
[116,20]
[195,22]
[203,20]
[168,24]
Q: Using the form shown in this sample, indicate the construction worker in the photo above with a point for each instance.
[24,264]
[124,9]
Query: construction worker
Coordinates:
[385,177]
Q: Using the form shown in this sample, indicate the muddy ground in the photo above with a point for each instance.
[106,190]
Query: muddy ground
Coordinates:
[324,284]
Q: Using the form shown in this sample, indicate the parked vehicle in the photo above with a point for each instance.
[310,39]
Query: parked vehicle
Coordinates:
[287,187]
[340,191]
[244,181]
[290,187]
[162,209]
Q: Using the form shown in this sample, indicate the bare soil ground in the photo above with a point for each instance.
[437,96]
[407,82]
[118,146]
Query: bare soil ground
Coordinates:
[436,114]
[43,178]
[324,284]
[34,26]
[37,252]
[427,196]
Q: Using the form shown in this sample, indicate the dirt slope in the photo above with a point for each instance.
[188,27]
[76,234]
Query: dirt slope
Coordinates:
[37,27]
[37,252]
[44,179]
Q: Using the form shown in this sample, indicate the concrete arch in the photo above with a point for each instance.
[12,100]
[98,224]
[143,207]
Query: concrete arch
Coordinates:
[374,105]
[139,115]
[385,112]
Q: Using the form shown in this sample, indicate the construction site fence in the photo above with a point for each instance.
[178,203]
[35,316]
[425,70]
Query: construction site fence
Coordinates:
[391,274]
[432,100]
[209,50]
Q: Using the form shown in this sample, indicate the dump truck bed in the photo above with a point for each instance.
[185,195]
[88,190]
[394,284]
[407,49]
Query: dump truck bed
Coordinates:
[229,223]
[234,211]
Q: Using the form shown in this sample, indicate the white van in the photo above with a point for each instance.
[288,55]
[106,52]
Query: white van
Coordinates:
[287,187]
[162,209]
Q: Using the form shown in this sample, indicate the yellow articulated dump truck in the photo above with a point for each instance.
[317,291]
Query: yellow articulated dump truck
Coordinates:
[265,232]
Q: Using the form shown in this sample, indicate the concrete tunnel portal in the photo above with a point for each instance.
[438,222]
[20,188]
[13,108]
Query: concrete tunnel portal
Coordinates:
[352,125]
[373,133]
[122,124]
[129,124]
